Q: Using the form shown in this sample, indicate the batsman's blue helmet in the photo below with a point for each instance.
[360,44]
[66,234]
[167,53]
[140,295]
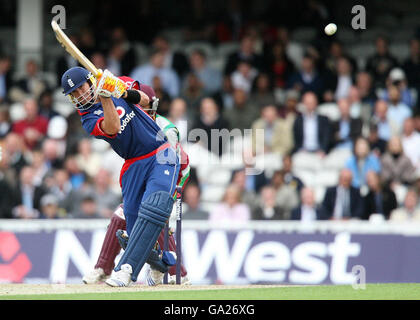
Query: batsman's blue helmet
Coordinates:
[74,78]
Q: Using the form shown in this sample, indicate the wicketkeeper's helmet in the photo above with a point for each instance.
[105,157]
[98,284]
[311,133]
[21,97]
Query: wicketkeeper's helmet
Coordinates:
[74,78]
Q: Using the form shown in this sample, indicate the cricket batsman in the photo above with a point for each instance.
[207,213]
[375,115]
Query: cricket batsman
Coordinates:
[111,111]
[111,245]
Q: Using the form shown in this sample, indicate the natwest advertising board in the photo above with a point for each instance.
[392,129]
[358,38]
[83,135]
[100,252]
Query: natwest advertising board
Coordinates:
[282,253]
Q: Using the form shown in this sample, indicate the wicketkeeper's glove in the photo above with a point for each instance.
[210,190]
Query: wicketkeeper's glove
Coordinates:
[109,85]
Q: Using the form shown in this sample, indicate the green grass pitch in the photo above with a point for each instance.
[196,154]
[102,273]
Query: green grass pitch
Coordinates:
[406,291]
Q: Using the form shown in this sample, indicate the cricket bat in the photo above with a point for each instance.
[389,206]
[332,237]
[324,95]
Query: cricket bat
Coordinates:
[72,49]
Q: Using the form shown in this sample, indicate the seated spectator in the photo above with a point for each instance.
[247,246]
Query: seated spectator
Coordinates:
[106,200]
[262,91]
[308,210]
[53,153]
[247,186]
[61,186]
[208,120]
[27,196]
[122,56]
[162,95]
[364,85]
[7,201]
[88,160]
[5,123]
[411,65]
[277,137]
[387,127]
[192,207]
[307,79]
[279,65]
[410,211]
[247,53]
[311,131]
[231,211]
[30,86]
[376,144]
[267,208]
[381,63]
[344,78]
[224,97]
[175,60]
[49,207]
[358,108]
[193,93]
[77,176]
[209,77]
[397,110]
[243,77]
[178,116]
[289,111]
[411,141]
[5,78]
[287,196]
[347,129]
[335,52]
[380,199]
[13,152]
[46,105]
[155,67]
[243,112]
[87,210]
[396,166]
[289,178]
[361,162]
[343,201]
[33,127]
[40,167]
[396,79]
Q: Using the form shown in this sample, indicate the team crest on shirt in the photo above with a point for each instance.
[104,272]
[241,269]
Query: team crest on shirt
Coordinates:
[98,112]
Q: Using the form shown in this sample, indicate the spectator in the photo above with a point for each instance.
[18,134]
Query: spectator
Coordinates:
[308,210]
[289,111]
[344,78]
[193,93]
[122,56]
[243,113]
[231,211]
[208,120]
[46,105]
[245,53]
[381,62]
[307,79]
[53,154]
[361,162]
[311,131]
[5,78]
[380,199]
[155,67]
[262,91]
[5,123]
[287,196]
[172,59]
[99,60]
[398,80]
[49,207]
[396,166]
[293,49]
[277,137]
[30,86]
[268,208]
[88,209]
[386,125]
[224,97]
[88,160]
[280,67]
[244,76]
[364,84]
[106,200]
[336,52]
[40,167]
[77,176]
[358,108]
[248,184]
[397,110]
[376,144]
[7,201]
[61,186]
[27,196]
[192,209]
[209,77]
[178,116]
[14,151]
[411,142]
[410,210]
[162,95]
[33,127]
[411,65]
[289,178]
[347,129]
[343,201]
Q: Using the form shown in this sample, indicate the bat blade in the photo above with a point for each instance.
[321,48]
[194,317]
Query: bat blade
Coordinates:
[72,49]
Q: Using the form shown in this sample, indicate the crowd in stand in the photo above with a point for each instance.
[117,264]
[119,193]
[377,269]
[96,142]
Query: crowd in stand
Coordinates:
[50,168]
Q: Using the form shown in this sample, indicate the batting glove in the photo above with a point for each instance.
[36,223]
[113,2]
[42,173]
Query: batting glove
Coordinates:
[109,85]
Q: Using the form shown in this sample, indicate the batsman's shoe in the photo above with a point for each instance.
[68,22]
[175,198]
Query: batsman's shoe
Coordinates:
[154,277]
[121,278]
[122,237]
[185,281]
[94,276]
